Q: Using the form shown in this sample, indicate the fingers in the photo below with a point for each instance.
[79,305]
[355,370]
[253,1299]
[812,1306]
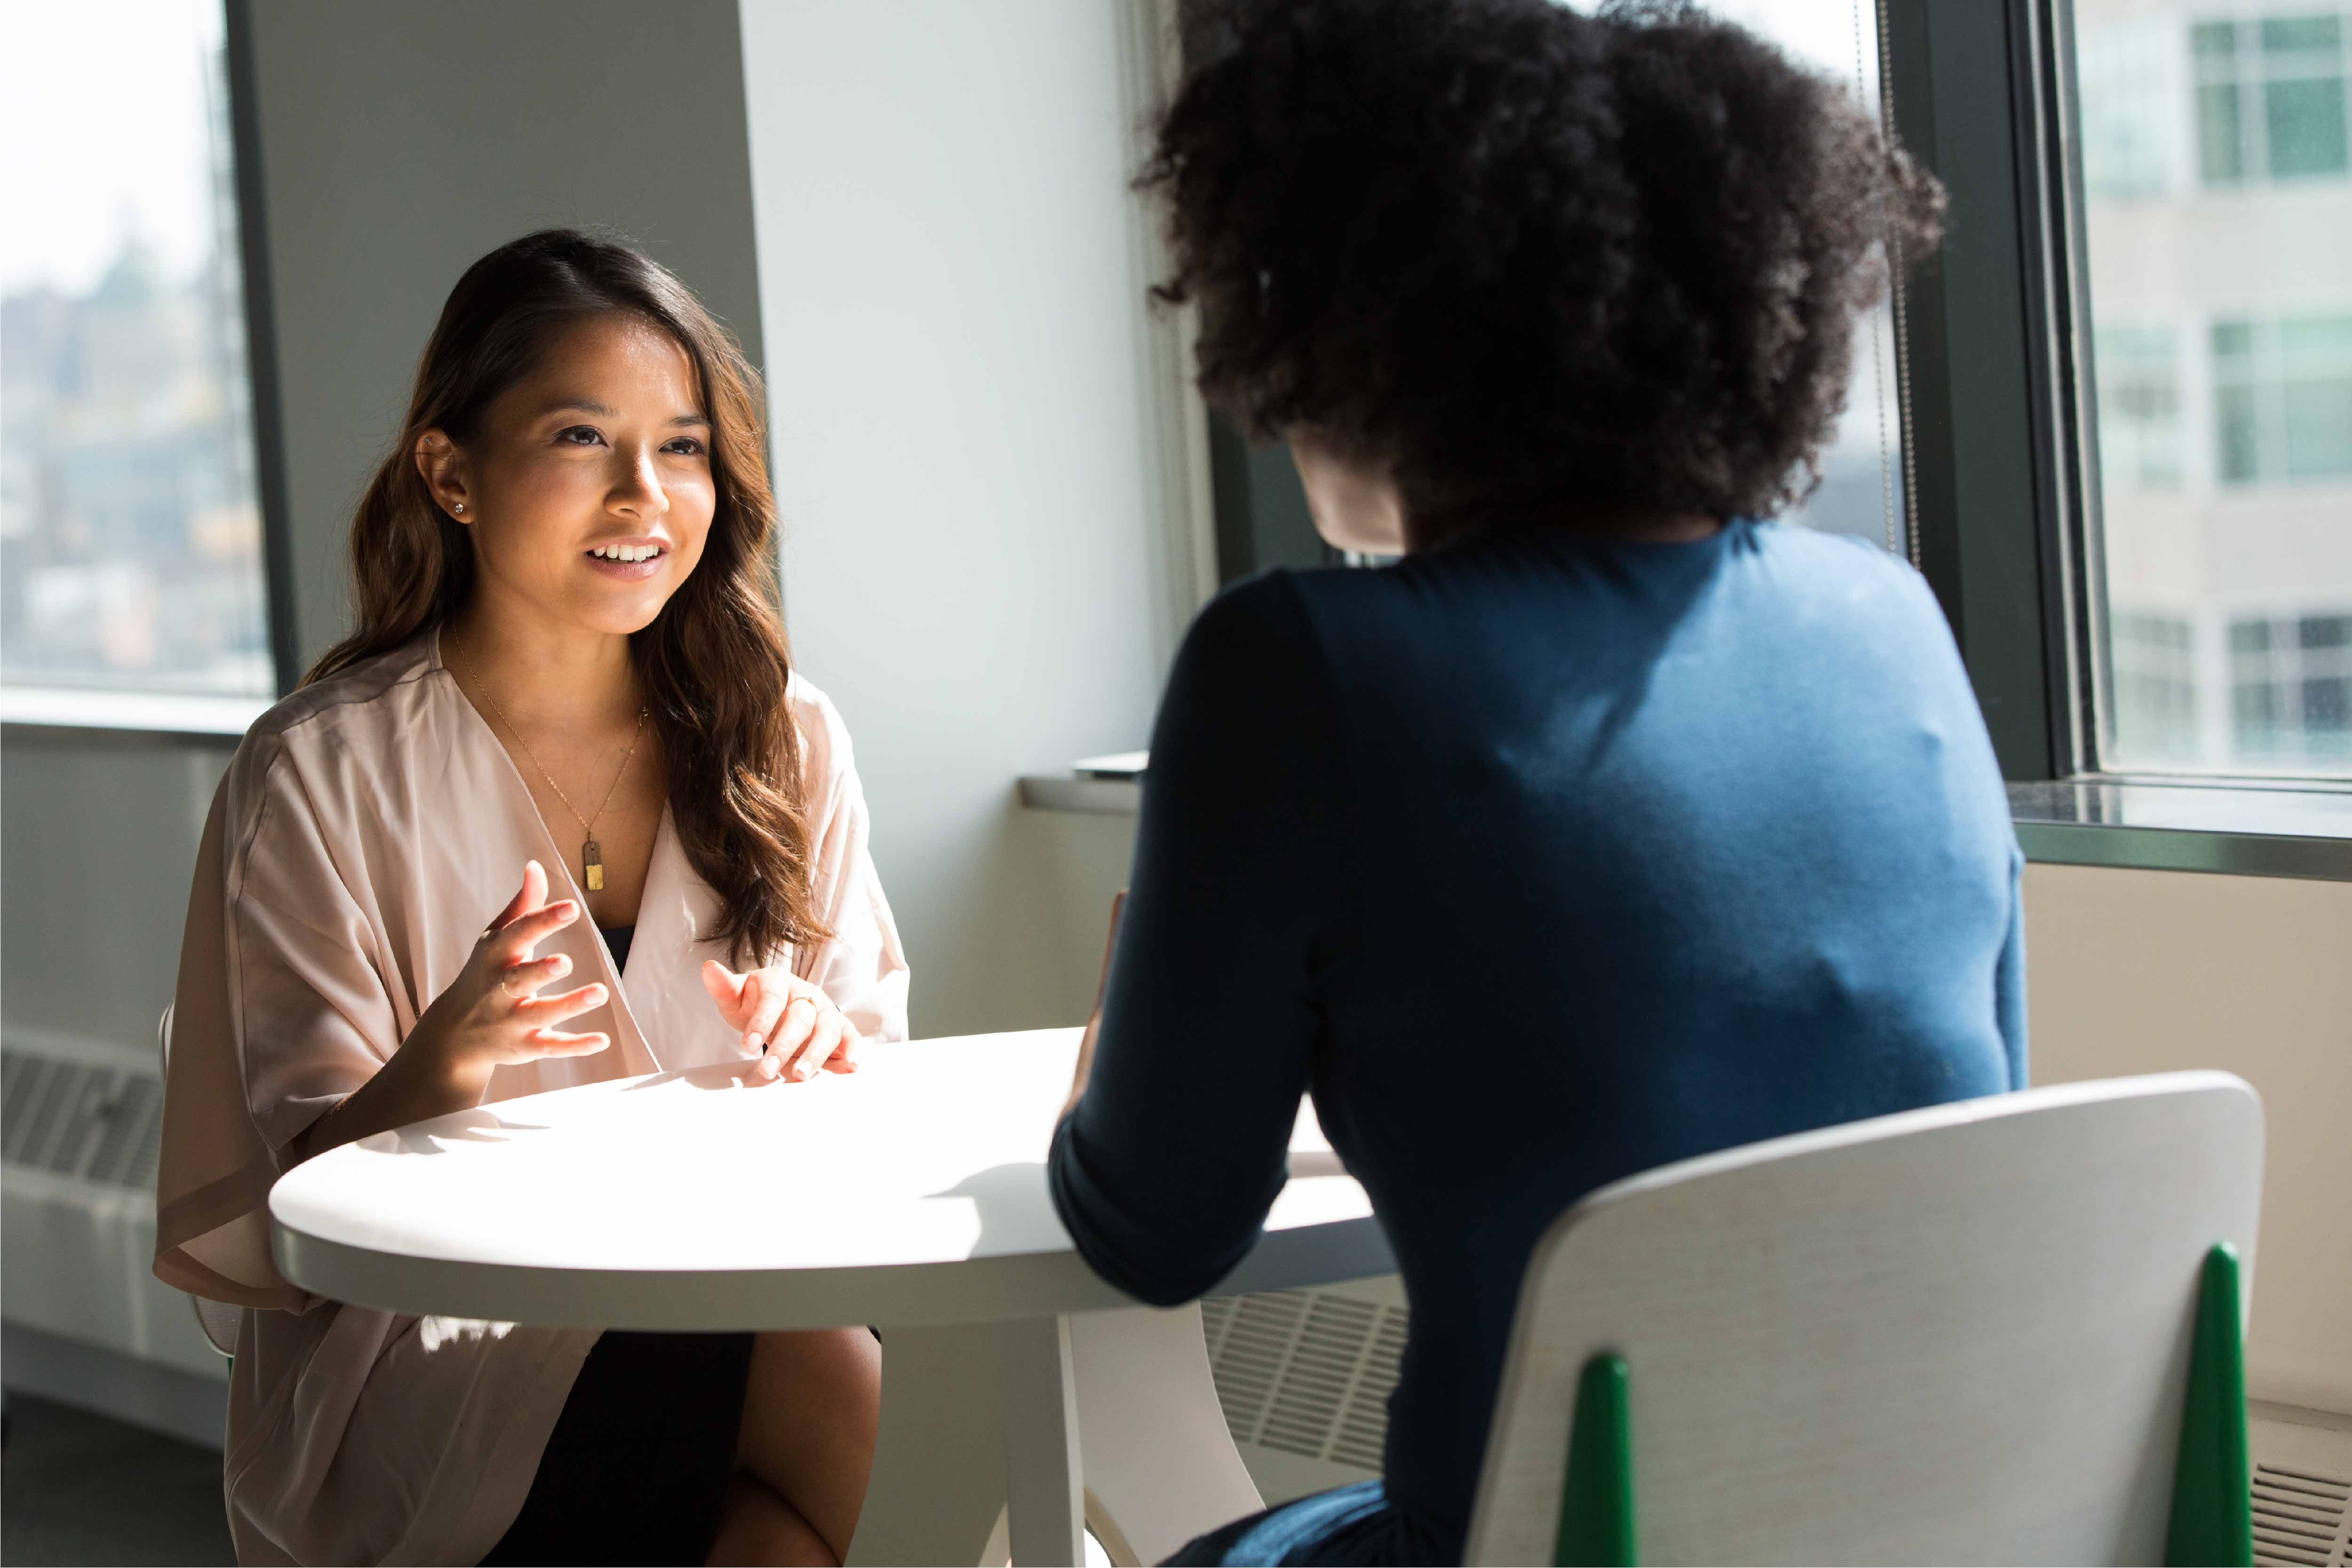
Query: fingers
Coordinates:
[827,1043]
[764,1003]
[528,897]
[521,980]
[539,1012]
[725,988]
[798,1035]
[525,932]
[551,1043]
[844,1057]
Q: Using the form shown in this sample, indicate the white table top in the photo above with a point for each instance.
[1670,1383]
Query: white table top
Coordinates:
[911,1193]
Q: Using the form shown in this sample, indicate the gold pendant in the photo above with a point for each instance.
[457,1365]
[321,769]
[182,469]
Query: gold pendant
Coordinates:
[592,866]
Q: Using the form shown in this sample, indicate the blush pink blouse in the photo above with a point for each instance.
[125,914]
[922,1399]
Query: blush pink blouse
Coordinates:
[368,828]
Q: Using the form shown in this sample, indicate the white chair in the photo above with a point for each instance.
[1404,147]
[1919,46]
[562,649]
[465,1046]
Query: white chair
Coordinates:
[218,1320]
[1961,1334]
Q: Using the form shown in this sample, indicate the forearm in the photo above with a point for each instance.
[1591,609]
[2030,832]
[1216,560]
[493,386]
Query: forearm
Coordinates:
[415,1085]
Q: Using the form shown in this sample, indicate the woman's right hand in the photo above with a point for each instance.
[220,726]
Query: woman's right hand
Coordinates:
[492,1015]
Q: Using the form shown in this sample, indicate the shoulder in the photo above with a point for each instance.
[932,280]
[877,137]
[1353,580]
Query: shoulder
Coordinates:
[373,693]
[372,706]
[826,753]
[1254,670]
[1806,558]
[1270,615]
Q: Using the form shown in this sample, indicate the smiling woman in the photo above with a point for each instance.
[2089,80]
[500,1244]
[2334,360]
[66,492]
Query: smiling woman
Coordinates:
[566,635]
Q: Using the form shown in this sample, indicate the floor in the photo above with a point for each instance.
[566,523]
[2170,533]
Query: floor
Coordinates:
[76,1488]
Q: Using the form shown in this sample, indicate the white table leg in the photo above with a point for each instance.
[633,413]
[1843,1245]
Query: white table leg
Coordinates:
[1039,1410]
[939,1482]
[973,1417]
[1160,1466]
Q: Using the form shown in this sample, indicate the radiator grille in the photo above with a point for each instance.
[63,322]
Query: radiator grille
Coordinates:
[1307,1371]
[79,1119]
[2302,1517]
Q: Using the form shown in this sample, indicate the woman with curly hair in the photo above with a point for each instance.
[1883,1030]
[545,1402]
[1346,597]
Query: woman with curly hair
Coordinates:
[559,810]
[1616,824]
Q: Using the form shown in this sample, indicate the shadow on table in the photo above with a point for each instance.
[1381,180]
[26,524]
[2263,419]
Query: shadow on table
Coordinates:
[482,1125]
[715,1074]
[1014,1207]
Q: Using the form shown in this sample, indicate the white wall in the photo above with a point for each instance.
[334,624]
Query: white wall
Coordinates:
[977,566]
[2134,972]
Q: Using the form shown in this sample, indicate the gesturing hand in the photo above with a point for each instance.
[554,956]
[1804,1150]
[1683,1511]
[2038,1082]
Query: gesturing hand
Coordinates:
[492,1015]
[489,1017]
[793,1024]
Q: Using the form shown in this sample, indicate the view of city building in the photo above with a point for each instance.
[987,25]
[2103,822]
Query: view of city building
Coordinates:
[129,537]
[2217,205]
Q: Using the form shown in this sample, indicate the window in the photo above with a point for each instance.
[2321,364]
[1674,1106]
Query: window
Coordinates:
[2291,688]
[2217,215]
[2156,682]
[2131,133]
[2283,398]
[131,540]
[2270,98]
[2139,406]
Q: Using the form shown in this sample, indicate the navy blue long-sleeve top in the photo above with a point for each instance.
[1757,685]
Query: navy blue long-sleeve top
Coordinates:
[1538,860]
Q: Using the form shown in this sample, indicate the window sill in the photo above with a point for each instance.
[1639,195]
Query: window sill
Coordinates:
[185,717]
[2250,830]
[1084,795]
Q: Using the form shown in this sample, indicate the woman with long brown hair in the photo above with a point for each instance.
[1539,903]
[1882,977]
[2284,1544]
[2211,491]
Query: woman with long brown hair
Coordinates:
[563,744]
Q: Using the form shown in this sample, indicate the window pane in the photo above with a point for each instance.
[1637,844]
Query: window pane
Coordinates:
[2215,40]
[2305,120]
[2219,139]
[2220,356]
[2295,35]
[2139,406]
[130,540]
[2233,410]
[2319,428]
[2133,144]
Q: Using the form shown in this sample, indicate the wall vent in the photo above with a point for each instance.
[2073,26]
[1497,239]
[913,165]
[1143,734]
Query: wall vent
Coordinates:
[96,1121]
[1307,1371]
[2302,1517]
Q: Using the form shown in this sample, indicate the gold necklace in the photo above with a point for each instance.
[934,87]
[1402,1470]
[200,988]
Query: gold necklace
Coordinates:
[592,854]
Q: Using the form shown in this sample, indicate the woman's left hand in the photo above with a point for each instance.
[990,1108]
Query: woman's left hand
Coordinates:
[793,1024]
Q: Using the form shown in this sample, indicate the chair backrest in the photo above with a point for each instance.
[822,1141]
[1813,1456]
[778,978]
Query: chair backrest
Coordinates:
[1960,1334]
[218,1320]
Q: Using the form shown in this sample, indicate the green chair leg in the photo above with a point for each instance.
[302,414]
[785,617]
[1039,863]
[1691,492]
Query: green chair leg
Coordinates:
[2212,1507]
[1596,1503]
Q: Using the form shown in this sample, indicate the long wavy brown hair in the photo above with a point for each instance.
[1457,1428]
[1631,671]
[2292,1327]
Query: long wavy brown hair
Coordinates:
[714,663]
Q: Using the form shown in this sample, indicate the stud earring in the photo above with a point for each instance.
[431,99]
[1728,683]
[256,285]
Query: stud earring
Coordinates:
[459,507]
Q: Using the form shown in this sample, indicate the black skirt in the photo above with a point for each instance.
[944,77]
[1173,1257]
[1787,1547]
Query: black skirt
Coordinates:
[638,1463]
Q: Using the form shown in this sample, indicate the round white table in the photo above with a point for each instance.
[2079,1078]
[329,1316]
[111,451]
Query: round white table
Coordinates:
[910,1196]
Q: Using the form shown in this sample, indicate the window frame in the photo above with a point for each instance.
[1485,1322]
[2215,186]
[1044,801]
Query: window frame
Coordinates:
[27,711]
[2003,439]
[2008,502]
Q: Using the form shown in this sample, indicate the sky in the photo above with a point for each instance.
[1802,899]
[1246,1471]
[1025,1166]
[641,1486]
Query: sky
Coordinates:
[102,135]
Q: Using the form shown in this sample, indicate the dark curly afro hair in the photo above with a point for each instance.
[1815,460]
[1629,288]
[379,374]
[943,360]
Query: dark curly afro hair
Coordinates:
[1531,263]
